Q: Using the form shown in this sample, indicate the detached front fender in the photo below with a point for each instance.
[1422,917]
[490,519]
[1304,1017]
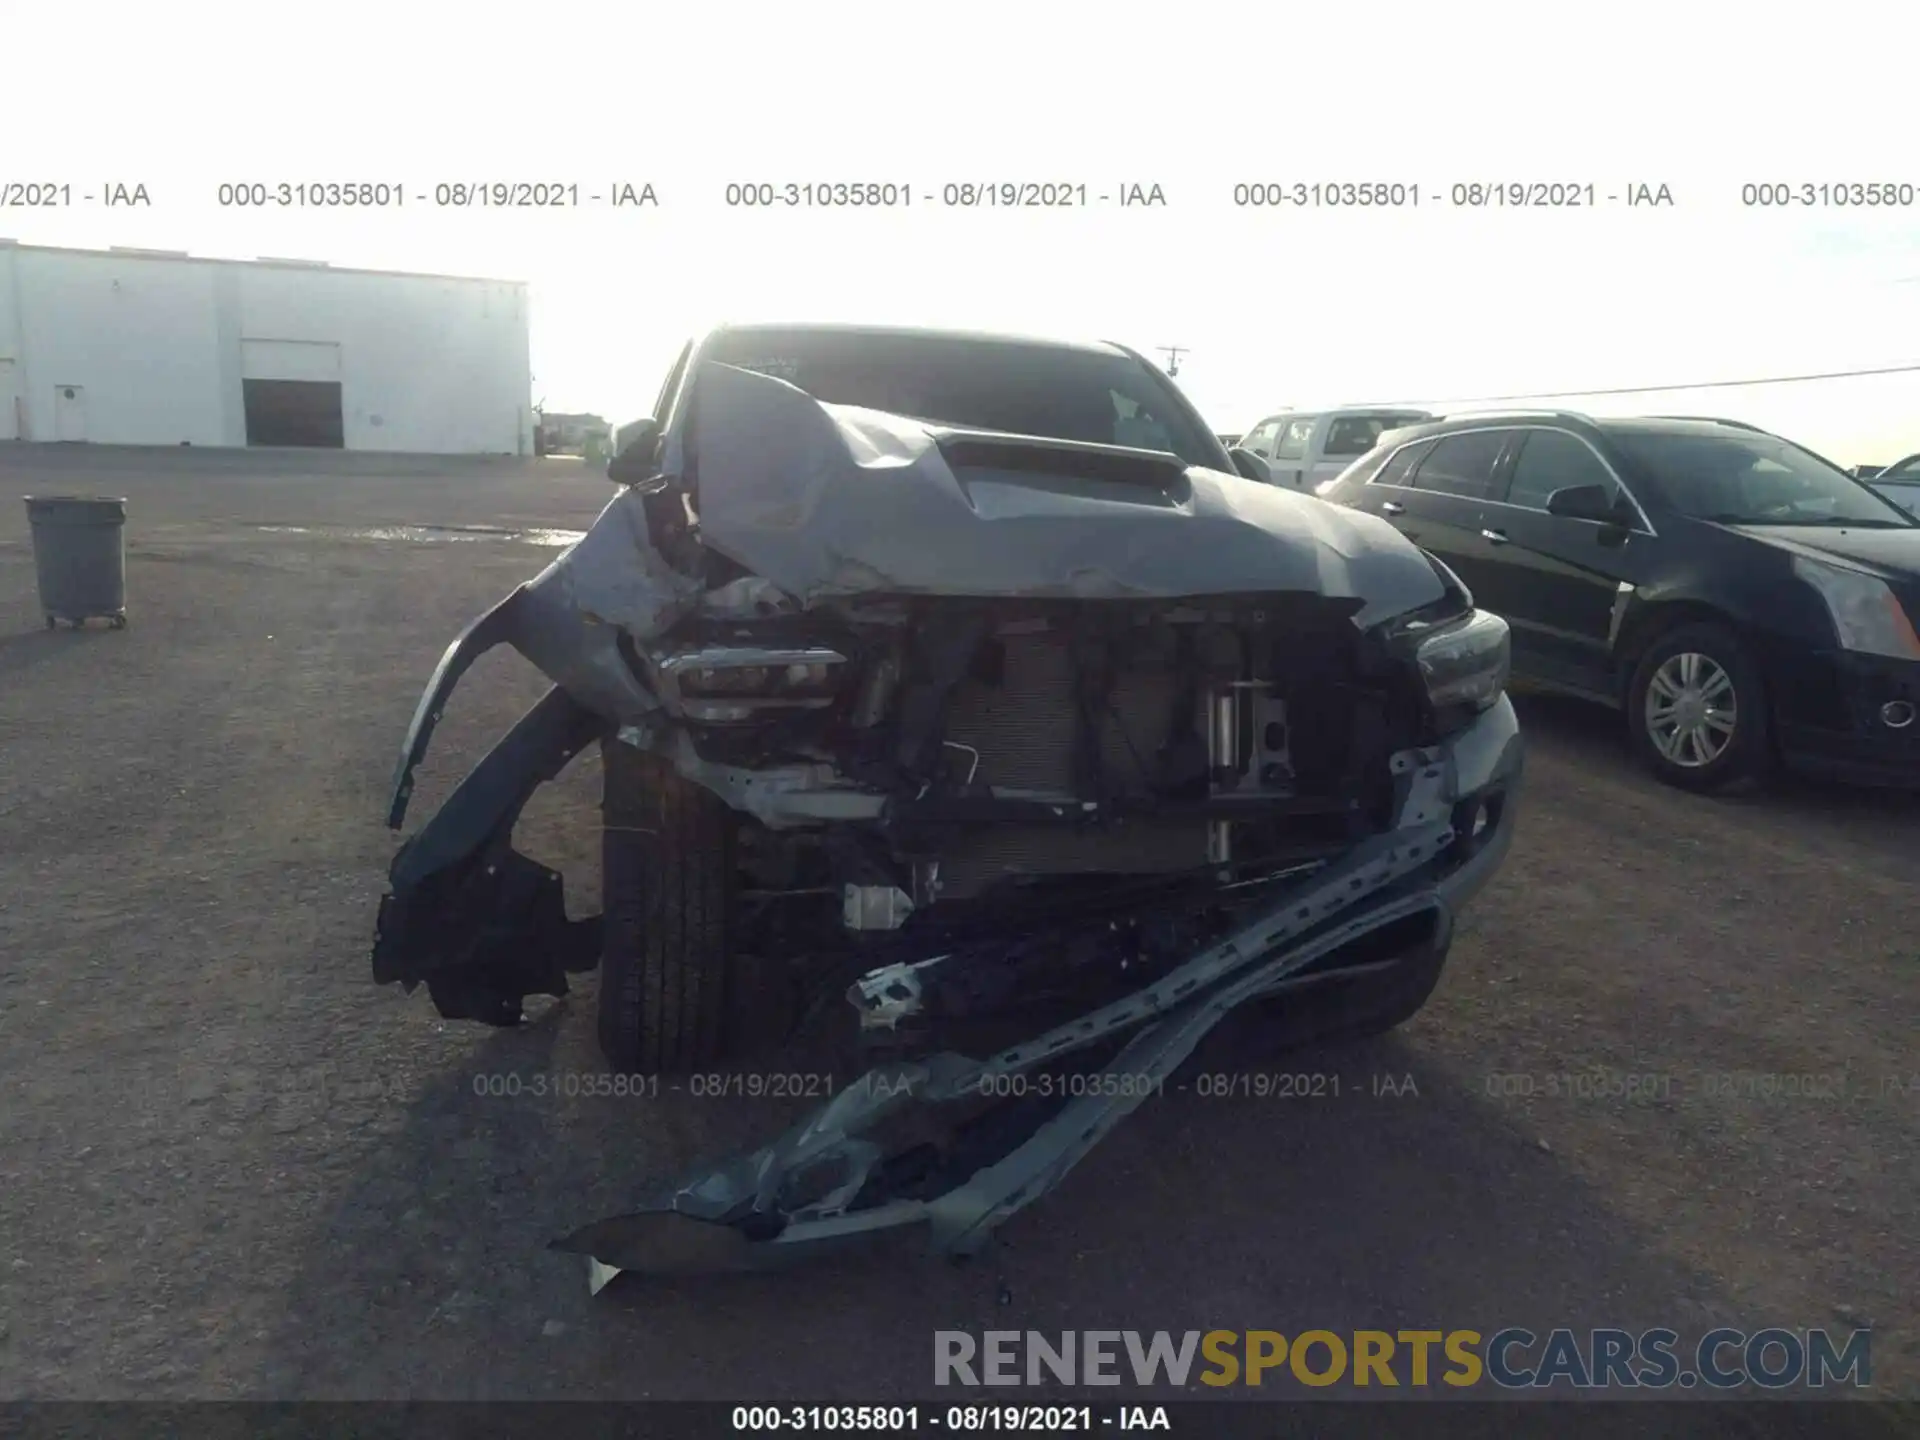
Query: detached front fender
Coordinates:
[499,624]
[481,924]
[568,621]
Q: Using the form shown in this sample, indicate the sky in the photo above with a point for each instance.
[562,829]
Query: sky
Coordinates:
[1285,307]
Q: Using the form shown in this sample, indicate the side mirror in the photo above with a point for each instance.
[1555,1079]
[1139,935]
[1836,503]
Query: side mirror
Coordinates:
[1250,465]
[636,446]
[1584,502]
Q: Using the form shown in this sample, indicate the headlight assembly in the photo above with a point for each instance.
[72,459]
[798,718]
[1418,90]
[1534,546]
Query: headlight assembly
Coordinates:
[1465,665]
[1867,616]
[723,684]
[798,678]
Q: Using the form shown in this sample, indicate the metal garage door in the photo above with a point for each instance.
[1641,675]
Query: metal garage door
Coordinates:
[290,391]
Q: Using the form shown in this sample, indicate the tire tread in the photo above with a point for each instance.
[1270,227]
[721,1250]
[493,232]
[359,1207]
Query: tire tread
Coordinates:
[667,849]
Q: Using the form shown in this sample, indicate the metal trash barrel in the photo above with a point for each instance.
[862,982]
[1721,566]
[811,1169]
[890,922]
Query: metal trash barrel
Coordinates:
[79,557]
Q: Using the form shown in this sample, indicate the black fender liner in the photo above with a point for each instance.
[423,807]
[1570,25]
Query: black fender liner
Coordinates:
[483,925]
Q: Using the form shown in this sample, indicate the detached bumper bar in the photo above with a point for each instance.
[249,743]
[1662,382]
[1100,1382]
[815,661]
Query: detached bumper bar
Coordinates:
[825,1183]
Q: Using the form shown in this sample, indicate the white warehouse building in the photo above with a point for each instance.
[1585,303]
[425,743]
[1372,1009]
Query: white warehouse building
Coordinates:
[144,347]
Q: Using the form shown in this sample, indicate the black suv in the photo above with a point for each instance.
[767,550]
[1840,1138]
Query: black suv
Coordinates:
[1741,598]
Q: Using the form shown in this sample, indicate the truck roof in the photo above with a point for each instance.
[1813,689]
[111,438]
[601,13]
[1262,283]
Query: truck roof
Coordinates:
[854,331]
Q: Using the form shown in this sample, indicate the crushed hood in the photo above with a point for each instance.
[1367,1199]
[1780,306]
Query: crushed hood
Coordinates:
[830,500]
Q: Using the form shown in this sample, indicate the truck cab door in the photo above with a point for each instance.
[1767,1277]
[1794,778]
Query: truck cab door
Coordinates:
[1293,452]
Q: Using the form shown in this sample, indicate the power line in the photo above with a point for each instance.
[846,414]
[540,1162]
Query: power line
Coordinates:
[1666,389]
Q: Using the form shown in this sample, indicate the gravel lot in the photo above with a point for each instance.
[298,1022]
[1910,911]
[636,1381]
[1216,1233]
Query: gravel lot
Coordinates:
[231,1166]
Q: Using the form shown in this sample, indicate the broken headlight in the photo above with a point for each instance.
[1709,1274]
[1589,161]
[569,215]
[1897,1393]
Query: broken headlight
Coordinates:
[719,684]
[801,678]
[1464,665]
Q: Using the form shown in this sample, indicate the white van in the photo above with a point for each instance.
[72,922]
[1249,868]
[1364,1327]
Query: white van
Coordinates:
[1305,449]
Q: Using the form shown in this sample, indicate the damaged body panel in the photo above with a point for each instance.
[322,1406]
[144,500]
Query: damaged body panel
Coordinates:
[958,684]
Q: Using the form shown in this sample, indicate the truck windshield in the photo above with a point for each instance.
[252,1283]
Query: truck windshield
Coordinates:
[1053,391]
[1753,479]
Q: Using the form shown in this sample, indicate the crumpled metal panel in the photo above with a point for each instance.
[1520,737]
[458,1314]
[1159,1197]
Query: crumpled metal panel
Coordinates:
[567,621]
[822,501]
[571,614]
[830,500]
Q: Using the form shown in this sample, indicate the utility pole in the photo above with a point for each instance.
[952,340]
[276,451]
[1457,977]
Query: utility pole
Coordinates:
[1173,354]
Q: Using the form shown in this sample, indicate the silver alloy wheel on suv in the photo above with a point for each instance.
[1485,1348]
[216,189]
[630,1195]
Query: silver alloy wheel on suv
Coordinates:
[1697,709]
[1691,709]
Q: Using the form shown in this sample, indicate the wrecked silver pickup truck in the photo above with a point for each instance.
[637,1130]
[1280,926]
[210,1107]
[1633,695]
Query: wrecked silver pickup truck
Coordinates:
[961,680]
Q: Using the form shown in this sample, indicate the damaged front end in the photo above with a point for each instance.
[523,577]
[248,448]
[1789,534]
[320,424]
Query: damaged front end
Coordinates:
[1036,758]
[833,1178]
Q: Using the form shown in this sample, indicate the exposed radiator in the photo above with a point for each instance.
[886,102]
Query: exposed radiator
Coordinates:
[1024,730]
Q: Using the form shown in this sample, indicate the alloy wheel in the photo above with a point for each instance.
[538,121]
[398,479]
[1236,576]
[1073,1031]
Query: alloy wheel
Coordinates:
[1691,709]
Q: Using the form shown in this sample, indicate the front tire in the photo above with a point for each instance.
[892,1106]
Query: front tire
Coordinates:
[1697,710]
[666,973]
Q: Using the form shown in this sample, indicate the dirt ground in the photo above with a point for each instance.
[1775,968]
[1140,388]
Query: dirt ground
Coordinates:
[232,1166]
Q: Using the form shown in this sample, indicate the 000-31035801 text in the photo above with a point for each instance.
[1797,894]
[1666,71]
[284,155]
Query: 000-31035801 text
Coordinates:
[311,194]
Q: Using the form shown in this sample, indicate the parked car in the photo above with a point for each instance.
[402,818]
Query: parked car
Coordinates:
[951,681]
[1304,450]
[1900,483]
[1739,597]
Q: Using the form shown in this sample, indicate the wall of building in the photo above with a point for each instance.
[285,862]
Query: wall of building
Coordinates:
[9,351]
[134,337]
[159,347]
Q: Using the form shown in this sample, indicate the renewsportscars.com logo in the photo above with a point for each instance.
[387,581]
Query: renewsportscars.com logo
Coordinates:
[1514,1358]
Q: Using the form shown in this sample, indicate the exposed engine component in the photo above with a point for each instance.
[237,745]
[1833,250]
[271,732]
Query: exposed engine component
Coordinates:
[885,997]
[875,907]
